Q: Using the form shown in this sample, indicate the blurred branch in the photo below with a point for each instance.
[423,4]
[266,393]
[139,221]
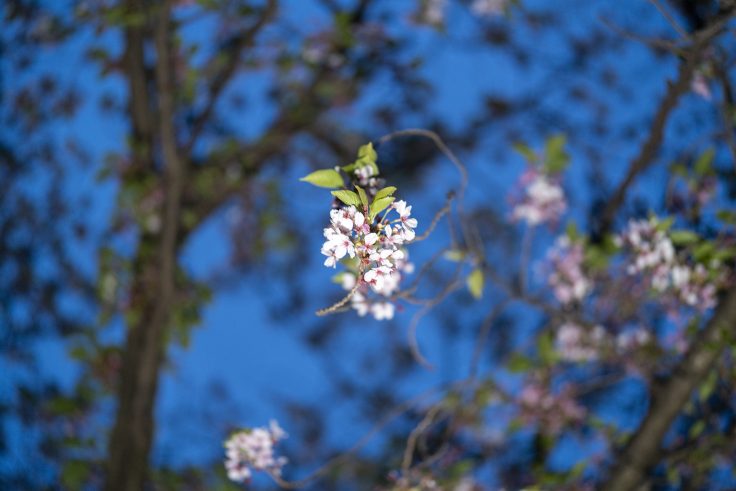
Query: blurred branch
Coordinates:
[377,428]
[649,150]
[223,77]
[645,448]
[672,21]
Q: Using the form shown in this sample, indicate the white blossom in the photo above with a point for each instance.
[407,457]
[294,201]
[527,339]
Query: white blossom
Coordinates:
[488,7]
[253,449]
[376,247]
[567,278]
[654,256]
[542,200]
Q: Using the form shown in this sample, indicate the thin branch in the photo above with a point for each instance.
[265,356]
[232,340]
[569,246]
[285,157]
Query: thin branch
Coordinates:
[672,21]
[442,148]
[377,428]
[483,335]
[411,442]
[338,305]
[223,77]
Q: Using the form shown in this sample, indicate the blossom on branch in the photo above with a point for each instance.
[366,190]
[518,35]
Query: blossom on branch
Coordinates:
[654,256]
[568,280]
[253,449]
[542,199]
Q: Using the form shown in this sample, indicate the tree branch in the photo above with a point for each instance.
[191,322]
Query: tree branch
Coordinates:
[649,150]
[221,79]
[644,450]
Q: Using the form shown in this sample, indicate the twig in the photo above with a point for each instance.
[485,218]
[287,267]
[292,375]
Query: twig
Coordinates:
[673,22]
[440,145]
[380,425]
[336,306]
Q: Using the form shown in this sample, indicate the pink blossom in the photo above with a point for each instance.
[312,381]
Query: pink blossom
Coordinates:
[253,449]
[567,279]
[574,343]
[699,85]
[542,199]
[488,7]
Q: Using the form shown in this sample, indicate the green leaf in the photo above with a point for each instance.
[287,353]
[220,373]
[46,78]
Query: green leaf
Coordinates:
[664,225]
[704,251]
[363,196]
[556,159]
[74,474]
[684,237]
[324,178]
[475,283]
[367,153]
[709,386]
[347,197]
[704,165]
[519,363]
[455,255]
[697,429]
[546,347]
[728,216]
[379,205]
[525,151]
[387,191]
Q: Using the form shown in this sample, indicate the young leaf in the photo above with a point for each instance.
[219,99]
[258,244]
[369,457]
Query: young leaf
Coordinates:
[455,255]
[324,178]
[379,205]
[683,237]
[556,157]
[367,153]
[387,191]
[347,197]
[362,195]
[525,151]
[704,165]
[475,283]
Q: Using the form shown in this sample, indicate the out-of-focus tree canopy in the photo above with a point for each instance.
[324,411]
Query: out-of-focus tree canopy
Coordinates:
[568,323]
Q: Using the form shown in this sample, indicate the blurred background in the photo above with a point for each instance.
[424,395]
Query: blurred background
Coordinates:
[160,261]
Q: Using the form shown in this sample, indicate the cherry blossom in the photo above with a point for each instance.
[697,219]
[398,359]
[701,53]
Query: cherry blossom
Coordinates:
[253,449]
[654,256]
[551,410]
[699,85]
[631,339]
[488,7]
[407,224]
[376,249]
[575,344]
[567,279]
[542,200]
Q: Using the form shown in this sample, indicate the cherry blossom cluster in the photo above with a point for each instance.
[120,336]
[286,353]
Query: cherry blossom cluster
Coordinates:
[377,249]
[567,278]
[552,411]
[379,308]
[574,343]
[253,449]
[542,199]
[367,234]
[654,256]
